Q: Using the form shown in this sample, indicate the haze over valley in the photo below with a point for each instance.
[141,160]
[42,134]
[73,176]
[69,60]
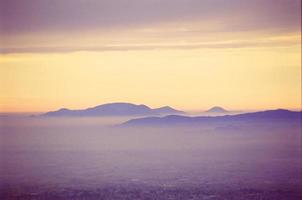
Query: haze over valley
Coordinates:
[67,157]
[150,100]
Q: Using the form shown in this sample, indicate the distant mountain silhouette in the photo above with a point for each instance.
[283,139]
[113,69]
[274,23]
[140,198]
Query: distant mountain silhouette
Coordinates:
[270,115]
[114,109]
[217,109]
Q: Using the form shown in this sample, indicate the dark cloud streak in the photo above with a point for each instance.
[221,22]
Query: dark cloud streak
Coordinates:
[26,16]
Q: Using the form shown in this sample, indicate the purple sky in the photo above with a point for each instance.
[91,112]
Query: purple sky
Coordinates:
[47,25]
[19,16]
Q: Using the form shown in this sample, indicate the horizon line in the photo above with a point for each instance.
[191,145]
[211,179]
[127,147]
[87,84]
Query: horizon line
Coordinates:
[187,111]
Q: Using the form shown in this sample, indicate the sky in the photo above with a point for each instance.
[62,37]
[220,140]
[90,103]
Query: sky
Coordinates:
[188,54]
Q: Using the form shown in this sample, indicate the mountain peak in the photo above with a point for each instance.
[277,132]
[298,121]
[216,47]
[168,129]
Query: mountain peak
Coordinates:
[168,110]
[217,109]
[119,105]
[64,109]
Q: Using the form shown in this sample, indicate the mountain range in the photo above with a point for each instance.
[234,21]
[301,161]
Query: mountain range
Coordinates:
[114,109]
[269,115]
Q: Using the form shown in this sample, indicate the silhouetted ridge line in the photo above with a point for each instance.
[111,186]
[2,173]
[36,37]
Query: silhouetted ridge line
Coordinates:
[269,115]
[114,109]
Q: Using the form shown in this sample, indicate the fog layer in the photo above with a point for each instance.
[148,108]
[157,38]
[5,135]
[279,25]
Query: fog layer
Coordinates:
[40,155]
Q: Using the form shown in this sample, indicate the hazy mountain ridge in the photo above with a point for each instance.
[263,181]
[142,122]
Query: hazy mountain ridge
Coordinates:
[114,109]
[269,115]
[217,109]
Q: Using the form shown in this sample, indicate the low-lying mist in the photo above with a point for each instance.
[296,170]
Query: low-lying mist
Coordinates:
[49,154]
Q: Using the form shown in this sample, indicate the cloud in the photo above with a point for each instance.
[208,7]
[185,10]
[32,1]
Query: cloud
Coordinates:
[44,19]
[57,15]
[267,42]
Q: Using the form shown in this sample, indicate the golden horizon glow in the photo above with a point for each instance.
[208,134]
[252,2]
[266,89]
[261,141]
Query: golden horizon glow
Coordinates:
[190,55]
[186,79]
